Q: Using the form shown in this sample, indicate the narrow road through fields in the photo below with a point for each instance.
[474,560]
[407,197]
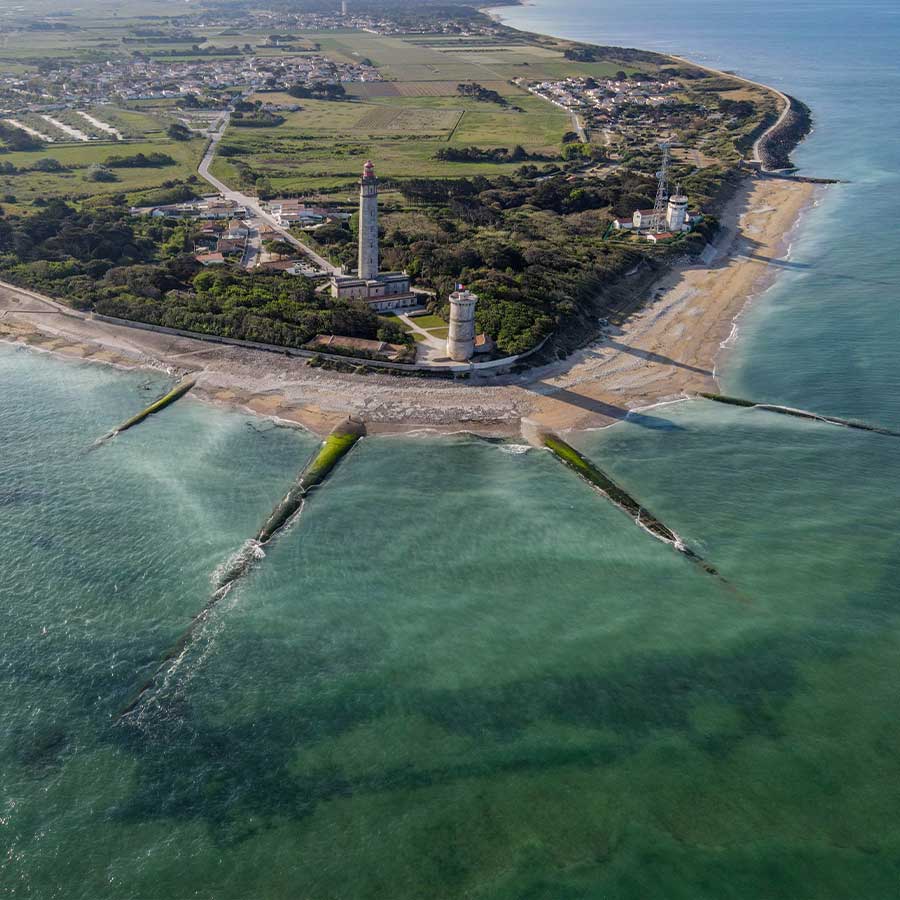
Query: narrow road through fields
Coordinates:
[252,204]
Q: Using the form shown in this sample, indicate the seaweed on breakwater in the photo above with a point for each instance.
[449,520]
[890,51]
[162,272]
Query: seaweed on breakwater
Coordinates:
[800,414]
[336,446]
[624,501]
[178,391]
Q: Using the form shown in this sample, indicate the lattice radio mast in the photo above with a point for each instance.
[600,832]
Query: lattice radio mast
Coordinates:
[658,217]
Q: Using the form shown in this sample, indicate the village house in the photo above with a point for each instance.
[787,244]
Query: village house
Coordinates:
[484,343]
[236,231]
[210,259]
[230,246]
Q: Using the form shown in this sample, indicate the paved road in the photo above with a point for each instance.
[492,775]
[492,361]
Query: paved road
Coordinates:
[252,248]
[577,127]
[784,99]
[252,203]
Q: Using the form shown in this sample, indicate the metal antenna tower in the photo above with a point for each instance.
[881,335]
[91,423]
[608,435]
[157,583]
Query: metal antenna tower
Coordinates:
[658,217]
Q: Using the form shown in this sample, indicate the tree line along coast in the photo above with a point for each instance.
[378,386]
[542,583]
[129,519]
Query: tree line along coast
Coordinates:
[525,225]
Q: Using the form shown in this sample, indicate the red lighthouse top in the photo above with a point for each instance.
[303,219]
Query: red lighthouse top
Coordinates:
[368,169]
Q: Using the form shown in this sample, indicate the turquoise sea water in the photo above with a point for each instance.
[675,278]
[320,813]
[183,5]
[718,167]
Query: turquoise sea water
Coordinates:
[460,673]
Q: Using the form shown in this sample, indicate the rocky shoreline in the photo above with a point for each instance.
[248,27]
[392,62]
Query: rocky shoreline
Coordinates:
[782,139]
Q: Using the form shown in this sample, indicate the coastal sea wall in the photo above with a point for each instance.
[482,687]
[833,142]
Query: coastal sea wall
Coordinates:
[494,366]
[781,140]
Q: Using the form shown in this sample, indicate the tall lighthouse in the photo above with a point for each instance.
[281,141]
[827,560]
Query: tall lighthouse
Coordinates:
[368,223]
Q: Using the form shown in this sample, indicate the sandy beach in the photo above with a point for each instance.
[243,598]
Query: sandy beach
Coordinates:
[669,348]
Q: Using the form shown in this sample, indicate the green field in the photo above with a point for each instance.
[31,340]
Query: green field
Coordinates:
[78,156]
[403,121]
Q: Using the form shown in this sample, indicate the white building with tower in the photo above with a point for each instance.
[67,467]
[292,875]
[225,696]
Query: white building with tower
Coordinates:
[461,337]
[381,290]
[677,212]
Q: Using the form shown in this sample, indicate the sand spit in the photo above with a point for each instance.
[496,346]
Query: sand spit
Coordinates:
[668,348]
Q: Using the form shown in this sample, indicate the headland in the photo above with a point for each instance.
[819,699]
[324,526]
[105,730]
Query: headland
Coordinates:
[662,342]
[666,348]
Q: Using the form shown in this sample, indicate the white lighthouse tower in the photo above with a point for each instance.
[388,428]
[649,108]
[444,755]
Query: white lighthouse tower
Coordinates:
[383,291]
[676,211]
[368,223]
[461,337]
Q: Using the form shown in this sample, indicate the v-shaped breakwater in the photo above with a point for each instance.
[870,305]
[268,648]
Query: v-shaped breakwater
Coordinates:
[800,414]
[641,516]
[335,447]
[176,393]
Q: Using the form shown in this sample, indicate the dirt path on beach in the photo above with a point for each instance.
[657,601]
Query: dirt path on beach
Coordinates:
[667,348]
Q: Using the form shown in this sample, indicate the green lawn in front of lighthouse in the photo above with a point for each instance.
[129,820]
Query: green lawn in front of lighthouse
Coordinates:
[428,322]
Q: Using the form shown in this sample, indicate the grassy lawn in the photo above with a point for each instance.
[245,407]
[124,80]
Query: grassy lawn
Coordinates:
[429,322]
[394,320]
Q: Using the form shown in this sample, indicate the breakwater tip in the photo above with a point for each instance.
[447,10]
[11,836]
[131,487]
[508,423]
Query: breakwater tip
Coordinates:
[350,426]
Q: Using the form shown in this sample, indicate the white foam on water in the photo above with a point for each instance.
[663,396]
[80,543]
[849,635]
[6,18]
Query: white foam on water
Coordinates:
[514,449]
[236,564]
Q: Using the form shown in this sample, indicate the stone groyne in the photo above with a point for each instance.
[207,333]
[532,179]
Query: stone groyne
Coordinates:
[620,498]
[800,414]
[335,447]
[177,392]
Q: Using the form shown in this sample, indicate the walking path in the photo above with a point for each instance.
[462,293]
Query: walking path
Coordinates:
[432,350]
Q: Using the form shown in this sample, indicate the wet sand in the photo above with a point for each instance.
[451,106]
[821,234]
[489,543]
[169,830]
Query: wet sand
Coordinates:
[669,348]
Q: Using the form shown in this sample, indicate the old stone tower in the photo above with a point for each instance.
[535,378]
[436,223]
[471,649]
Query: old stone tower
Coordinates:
[461,338]
[368,223]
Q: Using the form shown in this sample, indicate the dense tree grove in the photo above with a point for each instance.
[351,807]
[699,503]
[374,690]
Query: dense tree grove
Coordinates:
[139,161]
[536,247]
[535,250]
[12,138]
[142,269]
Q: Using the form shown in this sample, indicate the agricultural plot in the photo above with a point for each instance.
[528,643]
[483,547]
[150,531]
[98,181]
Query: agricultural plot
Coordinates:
[374,89]
[503,55]
[402,122]
[444,88]
[133,124]
[419,122]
